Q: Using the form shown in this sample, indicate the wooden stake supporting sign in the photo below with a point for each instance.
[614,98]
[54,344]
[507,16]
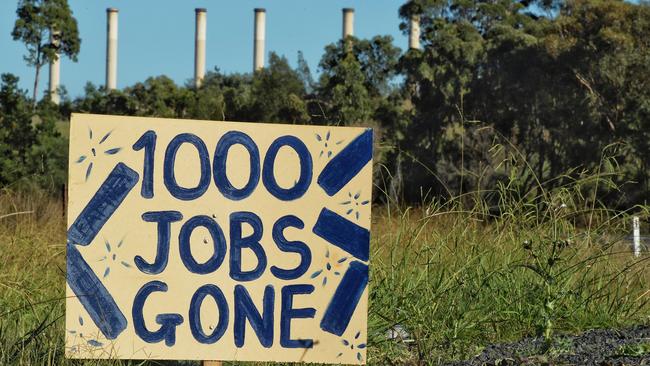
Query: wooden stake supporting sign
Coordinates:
[217,240]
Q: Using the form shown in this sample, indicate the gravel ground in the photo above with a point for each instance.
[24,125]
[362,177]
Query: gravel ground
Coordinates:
[630,346]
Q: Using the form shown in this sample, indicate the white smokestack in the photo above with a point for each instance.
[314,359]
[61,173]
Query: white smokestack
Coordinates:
[414,32]
[111,48]
[259,39]
[55,72]
[348,22]
[199,46]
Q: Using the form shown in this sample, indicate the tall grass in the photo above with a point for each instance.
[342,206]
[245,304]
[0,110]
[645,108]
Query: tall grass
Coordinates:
[455,275]
[32,280]
[499,265]
[32,274]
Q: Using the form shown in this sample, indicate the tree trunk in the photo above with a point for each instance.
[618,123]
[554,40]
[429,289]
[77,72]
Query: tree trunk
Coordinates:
[38,71]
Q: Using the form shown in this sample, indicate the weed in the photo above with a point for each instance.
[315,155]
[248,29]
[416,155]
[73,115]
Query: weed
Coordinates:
[634,349]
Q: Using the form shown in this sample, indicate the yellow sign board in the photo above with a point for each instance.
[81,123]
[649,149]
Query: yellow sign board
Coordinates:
[205,240]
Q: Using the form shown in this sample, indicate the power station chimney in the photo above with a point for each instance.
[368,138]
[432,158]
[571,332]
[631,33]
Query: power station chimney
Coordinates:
[414,32]
[111,49]
[199,46]
[259,39]
[348,22]
[55,70]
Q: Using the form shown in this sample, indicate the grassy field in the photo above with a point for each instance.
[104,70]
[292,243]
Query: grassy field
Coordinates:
[456,276]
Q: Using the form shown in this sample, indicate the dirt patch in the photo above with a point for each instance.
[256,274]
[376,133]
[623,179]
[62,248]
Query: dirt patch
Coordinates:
[630,346]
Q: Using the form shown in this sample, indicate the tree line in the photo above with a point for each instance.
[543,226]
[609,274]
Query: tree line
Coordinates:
[523,93]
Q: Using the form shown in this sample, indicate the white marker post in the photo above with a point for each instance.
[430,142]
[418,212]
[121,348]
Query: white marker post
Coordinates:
[636,236]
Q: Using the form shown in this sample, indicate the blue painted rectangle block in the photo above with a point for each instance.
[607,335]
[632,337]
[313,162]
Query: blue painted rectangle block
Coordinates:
[345,299]
[346,164]
[80,277]
[343,233]
[102,205]
[93,295]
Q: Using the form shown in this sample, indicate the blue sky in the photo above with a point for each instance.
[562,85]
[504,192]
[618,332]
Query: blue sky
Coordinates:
[157,36]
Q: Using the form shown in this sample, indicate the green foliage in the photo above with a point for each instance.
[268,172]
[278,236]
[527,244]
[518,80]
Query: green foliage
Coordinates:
[279,93]
[345,93]
[159,97]
[31,149]
[274,94]
[48,29]
[560,81]
[355,77]
[98,101]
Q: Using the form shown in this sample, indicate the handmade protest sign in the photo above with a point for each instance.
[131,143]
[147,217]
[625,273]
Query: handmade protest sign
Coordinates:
[217,240]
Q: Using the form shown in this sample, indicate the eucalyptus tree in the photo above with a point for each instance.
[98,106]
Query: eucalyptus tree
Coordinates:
[48,29]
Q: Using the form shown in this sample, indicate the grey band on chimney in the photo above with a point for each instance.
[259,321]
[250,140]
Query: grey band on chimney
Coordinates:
[111,48]
[348,22]
[199,46]
[259,39]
